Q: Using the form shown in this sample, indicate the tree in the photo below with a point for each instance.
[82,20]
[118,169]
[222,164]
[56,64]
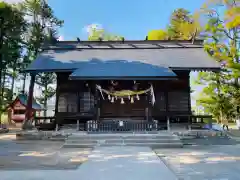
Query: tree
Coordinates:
[43,21]
[96,33]
[157,35]
[47,91]
[183,25]
[12,26]
[42,29]
[222,91]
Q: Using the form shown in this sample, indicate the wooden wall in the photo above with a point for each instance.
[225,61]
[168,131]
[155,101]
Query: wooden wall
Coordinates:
[171,97]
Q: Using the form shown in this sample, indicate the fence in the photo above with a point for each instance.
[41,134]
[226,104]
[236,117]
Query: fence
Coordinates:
[118,126]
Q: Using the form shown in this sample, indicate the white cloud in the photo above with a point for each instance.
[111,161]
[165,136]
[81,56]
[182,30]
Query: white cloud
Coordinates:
[91,27]
[61,38]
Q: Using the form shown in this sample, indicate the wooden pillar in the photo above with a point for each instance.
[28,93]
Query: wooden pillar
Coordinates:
[56,103]
[166,101]
[57,96]
[189,95]
[30,97]
[168,124]
[97,103]
[189,123]
[150,107]
[167,110]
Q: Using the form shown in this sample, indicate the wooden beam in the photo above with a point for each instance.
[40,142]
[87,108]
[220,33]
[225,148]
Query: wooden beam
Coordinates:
[30,98]
[97,103]
[166,101]
[57,95]
[189,95]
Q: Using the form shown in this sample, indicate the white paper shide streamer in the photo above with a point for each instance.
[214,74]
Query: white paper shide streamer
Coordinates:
[153,95]
[100,90]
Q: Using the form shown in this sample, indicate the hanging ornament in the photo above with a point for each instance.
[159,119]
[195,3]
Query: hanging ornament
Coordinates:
[129,97]
[122,101]
[109,97]
[112,101]
[132,100]
[138,98]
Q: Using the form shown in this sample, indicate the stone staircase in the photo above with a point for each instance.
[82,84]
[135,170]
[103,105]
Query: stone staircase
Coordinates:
[157,140]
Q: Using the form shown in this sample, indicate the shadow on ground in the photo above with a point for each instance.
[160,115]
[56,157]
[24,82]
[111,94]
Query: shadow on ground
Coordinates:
[224,140]
[209,158]
[39,155]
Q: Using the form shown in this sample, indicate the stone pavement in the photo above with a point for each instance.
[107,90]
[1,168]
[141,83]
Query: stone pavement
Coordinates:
[105,163]
[215,162]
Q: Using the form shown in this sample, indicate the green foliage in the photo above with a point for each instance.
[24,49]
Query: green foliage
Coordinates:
[21,40]
[96,34]
[45,80]
[221,93]
[12,27]
[157,35]
[42,30]
[182,26]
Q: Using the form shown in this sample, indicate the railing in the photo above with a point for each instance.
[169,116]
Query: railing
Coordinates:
[121,126]
[191,122]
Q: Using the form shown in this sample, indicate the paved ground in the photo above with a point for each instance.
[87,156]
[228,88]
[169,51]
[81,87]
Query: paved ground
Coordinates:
[209,159]
[39,155]
[204,161]
[104,163]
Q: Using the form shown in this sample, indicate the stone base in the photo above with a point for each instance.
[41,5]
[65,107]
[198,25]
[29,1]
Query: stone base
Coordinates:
[41,135]
[199,134]
[2,131]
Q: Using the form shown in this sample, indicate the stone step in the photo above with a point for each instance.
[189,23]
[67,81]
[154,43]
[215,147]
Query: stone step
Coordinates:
[101,137]
[164,139]
[123,140]
[155,145]
[57,139]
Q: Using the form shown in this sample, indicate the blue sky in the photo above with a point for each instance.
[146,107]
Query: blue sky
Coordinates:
[129,18]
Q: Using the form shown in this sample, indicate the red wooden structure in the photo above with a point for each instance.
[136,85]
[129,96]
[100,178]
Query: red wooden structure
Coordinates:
[17,109]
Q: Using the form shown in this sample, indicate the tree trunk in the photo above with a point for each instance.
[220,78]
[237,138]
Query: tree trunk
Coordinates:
[45,100]
[24,82]
[12,87]
[2,94]
[1,62]
[27,124]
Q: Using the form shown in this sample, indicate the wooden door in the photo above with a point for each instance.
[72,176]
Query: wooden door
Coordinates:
[128,109]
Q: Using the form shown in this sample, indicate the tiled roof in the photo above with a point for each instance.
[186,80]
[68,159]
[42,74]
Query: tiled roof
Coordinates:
[121,70]
[23,99]
[72,55]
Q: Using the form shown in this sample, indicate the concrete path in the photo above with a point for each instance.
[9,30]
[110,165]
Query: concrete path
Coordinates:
[106,163]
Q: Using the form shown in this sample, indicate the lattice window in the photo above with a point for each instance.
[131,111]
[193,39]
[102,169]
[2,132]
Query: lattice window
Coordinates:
[86,101]
[67,102]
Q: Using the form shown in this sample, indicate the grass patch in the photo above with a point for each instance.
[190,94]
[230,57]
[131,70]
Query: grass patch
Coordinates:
[4,119]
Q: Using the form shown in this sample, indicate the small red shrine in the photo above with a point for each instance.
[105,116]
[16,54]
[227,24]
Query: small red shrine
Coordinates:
[17,109]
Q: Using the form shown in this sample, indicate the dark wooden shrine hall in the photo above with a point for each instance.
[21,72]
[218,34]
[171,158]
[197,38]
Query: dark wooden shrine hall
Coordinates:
[117,66]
